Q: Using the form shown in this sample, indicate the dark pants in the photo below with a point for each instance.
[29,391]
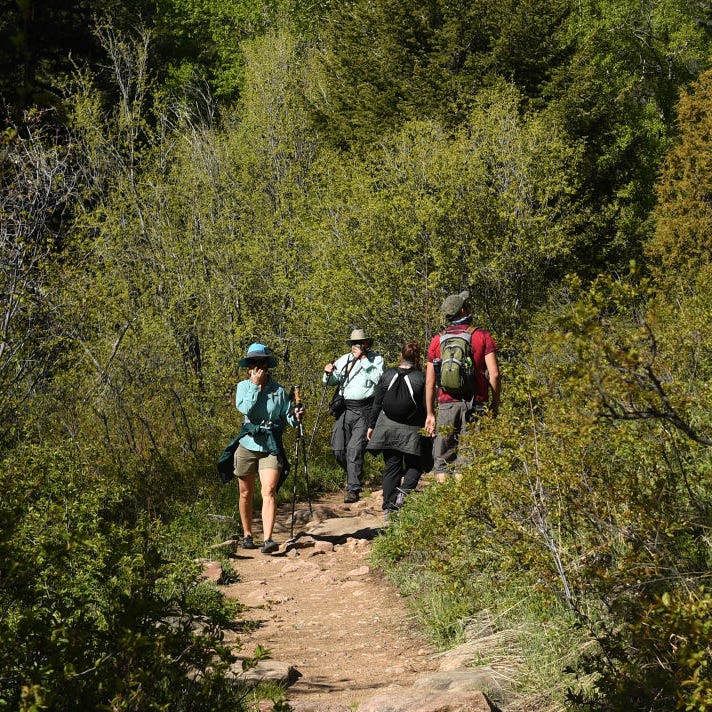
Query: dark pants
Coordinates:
[399,465]
[348,441]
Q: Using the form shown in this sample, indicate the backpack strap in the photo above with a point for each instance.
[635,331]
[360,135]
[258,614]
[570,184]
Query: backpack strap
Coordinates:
[407,383]
[410,388]
[393,380]
[470,330]
[346,374]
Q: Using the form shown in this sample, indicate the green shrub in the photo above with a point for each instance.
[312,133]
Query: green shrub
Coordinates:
[659,658]
[94,613]
[588,499]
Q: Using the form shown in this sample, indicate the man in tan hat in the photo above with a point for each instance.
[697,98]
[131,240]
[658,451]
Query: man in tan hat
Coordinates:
[462,369]
[356,373]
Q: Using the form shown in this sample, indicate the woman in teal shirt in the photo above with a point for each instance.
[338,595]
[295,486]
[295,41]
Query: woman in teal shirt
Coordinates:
[266,409]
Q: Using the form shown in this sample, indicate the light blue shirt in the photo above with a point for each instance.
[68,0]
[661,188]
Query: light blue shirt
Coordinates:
[363,375]
[271,404]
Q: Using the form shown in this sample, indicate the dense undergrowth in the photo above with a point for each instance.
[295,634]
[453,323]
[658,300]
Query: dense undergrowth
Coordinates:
[584,516]
[99,609]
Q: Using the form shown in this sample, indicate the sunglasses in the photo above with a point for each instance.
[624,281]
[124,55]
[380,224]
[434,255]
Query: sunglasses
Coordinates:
[259,363]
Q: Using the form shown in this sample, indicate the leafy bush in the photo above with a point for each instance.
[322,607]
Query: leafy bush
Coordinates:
[94,614]
[589,498]
[658,659]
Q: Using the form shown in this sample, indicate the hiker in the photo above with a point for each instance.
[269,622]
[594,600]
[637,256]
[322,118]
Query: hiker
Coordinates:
[356,373]
[266,409]
[397,417]
[459,383]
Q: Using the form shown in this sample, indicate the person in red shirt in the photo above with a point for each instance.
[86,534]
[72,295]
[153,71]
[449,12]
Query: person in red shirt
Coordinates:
[455,411]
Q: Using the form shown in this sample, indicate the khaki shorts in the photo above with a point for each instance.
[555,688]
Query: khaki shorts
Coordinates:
[250,462]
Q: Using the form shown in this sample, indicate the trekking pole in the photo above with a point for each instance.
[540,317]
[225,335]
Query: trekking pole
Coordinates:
[318,414]
[300,438]
[297,442]
[298,447]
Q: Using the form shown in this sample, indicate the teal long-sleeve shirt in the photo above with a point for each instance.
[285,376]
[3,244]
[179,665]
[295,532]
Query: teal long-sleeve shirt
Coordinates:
[363,375]
[269,405]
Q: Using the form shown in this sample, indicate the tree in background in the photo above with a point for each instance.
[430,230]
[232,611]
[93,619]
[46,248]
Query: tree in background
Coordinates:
[43,41]
[683,236]
[608,71]
[618,93]
[491,208]
[40,183]
[196,43]
[391,61]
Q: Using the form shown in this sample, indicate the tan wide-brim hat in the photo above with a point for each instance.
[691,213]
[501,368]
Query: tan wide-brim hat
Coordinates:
[358,336]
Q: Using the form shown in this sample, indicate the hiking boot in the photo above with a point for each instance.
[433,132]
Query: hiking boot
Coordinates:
[269,546]
[351,497]
[400,497]
[247,543]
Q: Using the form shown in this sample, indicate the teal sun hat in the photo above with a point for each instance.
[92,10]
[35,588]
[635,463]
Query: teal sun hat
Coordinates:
[258,352]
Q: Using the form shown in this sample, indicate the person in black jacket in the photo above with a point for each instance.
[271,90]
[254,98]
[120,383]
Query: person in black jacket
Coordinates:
[396,420]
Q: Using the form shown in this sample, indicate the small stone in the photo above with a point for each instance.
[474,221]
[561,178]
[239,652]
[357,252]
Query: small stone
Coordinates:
[360,571]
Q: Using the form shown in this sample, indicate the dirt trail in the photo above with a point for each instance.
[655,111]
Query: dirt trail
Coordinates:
[318,606]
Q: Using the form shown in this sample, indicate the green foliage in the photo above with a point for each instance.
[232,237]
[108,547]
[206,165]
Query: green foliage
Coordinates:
[492,147]
[608,72]
[669,665]
[392,61]
[618,93]
[683,234]
[40,183]
[44,42]
[204,38]
[491,208]
[94,614]
[451,576]
[590,491]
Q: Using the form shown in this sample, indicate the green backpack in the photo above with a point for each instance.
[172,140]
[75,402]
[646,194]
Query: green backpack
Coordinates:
[456,364]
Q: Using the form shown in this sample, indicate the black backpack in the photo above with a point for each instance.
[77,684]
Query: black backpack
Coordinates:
[398,401]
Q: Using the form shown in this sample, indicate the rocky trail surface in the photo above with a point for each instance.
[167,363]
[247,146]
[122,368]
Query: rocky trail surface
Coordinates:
[339,634]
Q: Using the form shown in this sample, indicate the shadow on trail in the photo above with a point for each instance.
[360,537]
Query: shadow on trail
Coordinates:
[365,533]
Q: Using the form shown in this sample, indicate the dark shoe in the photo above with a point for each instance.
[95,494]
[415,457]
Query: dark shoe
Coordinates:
[351,497]
[390,515]
[247,543]
[269,546]
[390,512]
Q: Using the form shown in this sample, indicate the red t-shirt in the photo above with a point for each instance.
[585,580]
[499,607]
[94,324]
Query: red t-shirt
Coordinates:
[482,344]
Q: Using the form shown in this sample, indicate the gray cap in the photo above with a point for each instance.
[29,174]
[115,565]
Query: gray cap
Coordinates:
[453,303]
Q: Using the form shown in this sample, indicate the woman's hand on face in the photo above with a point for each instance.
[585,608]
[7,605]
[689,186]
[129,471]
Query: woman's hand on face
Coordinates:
[258,376]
